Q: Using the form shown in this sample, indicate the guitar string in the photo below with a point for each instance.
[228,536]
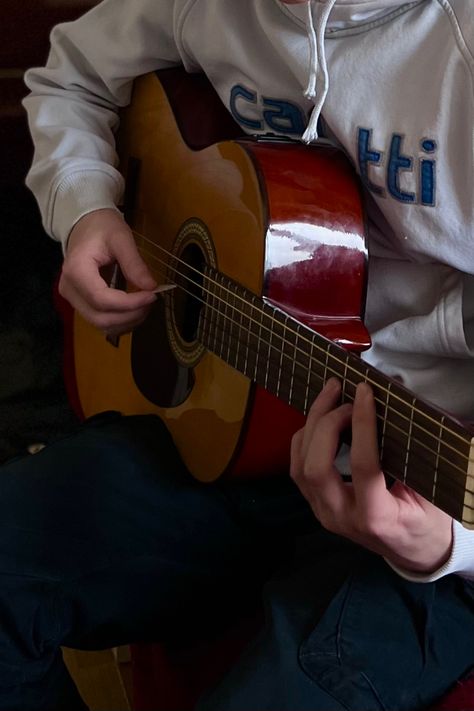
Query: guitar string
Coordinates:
[302,338]
[456,488]
[349,397]
[401,415]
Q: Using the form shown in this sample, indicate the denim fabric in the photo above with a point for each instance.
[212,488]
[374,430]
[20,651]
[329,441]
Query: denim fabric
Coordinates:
[374,642]
[105,539]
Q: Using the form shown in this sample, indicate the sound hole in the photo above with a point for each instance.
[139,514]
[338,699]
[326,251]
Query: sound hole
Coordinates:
[188,297]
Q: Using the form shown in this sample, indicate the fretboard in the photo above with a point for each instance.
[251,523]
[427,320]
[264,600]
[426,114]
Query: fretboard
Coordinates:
[419,445]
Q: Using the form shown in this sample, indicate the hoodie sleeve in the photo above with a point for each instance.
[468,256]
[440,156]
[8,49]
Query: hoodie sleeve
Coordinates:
[74,102]
[460,562]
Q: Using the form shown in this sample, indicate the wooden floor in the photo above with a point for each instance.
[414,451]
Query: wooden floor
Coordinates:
[103,682]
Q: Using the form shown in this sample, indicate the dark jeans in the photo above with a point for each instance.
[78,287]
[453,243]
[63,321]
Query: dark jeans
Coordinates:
[106,539]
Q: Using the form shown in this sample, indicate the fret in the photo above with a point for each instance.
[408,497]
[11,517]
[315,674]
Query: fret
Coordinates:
[223,316]
[319,366]
[216,311]
[301,369]
[230,320]
[317,385]
[308,380]
[337,362]
[273,372]
[280,391]
[269,330]
[252,354]
[267,348]
[326,362]
[296,357]
[238,326]
[291,353]
[243,339]
[280,363]
[384,426]
[344,380]
[409,442]
[437,458]
[259,316]
[356,371]
[468,507]
[233,325]
[207,319]
[246,318]
[425,463]
[365,372]
[243,336]
[393,415]
[454,454]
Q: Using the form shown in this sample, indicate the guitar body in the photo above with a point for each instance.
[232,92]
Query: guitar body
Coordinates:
[282,220]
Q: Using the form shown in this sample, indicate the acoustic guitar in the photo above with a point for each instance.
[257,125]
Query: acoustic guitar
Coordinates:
[263,240]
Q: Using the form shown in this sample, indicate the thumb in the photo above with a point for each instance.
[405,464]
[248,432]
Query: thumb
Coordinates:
[133,266]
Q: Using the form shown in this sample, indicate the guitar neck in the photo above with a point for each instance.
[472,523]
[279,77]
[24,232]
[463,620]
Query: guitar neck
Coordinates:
[419,445]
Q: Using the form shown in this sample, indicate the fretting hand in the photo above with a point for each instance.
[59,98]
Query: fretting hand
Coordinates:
[101,239]
[396,523]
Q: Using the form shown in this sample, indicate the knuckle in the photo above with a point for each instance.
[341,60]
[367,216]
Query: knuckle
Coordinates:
[64,279]
[101,321]
[311,471]
[95,301]
[294,471]
[321,514]
[371,527]
[295,455]
[357,459]
[376,528]
[327,519]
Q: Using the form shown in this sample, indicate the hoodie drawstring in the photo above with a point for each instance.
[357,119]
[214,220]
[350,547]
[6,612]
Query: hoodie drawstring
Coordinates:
[318,67]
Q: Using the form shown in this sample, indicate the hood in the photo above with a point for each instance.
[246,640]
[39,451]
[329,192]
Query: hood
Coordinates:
[321,18]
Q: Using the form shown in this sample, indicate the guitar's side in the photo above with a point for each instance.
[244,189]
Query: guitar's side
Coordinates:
[246,203]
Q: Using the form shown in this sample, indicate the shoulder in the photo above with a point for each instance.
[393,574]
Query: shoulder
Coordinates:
[462,18]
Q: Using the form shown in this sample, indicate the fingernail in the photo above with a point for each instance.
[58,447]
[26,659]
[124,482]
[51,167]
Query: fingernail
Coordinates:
[364,390]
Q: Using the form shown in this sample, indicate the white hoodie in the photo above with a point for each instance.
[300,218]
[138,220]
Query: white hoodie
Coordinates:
[394,83]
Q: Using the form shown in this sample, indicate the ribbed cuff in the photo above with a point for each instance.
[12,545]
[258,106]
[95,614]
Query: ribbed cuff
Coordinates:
[80,193]
[460,562]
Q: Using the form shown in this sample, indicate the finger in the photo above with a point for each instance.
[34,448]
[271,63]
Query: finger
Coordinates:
[121,327]
[105,320]
[296,458]
[113,323]
[369,484]
[132,264]
[325,402]
[320,480]
[84,283]
[323,444]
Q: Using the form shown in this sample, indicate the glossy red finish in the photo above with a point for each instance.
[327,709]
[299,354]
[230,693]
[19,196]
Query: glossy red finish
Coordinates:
[315,269]
[315,245]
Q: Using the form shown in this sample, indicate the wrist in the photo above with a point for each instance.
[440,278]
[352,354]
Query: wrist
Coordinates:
[95,224]
[433,566]
[77,196]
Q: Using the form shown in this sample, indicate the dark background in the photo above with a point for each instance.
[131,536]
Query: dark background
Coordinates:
[33,403]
